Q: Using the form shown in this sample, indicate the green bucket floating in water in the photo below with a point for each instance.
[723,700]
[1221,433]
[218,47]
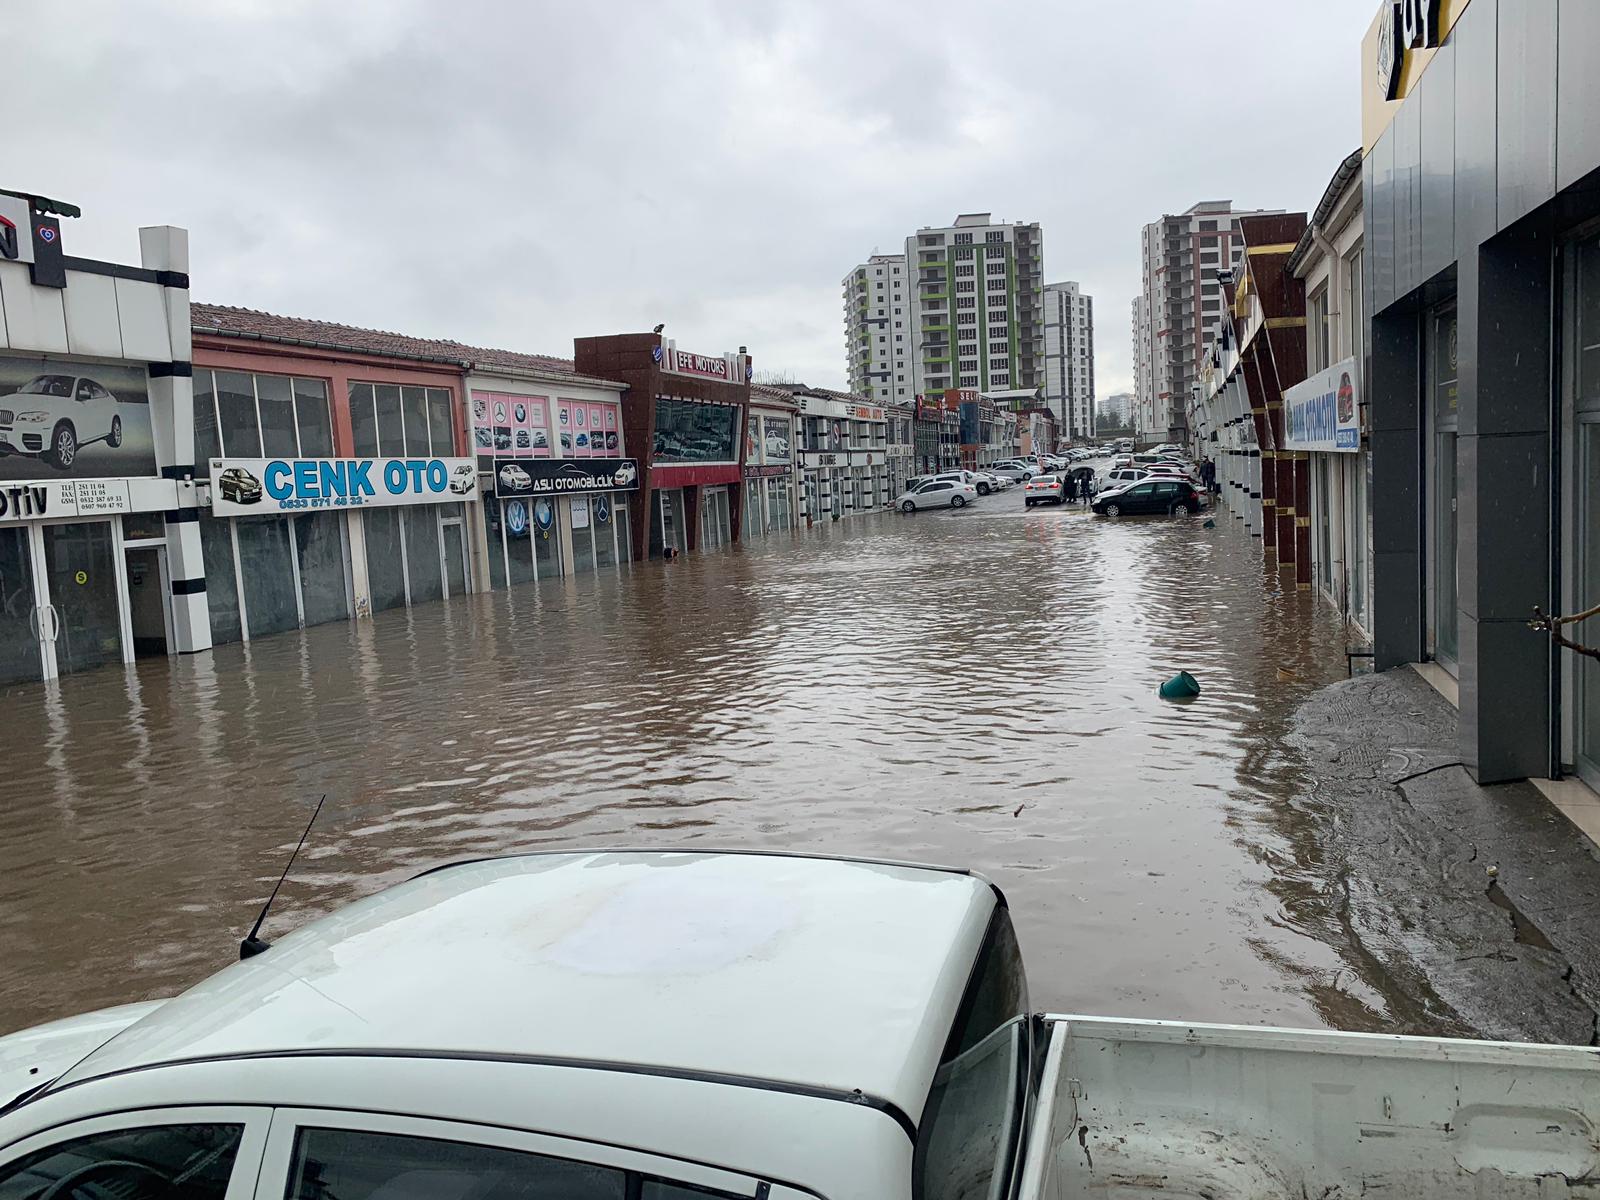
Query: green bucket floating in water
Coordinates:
[1182,686]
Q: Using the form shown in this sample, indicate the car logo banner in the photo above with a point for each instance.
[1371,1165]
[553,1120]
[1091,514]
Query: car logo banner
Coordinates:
[516,477]
[251,487]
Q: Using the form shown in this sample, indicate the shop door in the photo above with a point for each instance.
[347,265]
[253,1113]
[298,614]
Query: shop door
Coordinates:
[23,622]
[84,597]
[148,615]
[455,558]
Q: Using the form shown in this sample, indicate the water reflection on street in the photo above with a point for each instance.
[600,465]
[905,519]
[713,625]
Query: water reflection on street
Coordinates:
[974,688]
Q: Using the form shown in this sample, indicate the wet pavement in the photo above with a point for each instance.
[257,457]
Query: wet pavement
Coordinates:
[973,688]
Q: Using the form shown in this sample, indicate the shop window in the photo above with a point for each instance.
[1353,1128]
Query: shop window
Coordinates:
[319,549]
[603,512]
[414,412]
[207,438]
[441,431]
[275,403]
[222,586]
[687,431]
[312,419]
[455,554]
[386,575]
[267,571]
[363,421]
[236,413]
[496,542]
[391,425]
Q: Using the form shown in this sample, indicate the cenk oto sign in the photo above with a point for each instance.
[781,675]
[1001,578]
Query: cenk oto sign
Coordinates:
[515,477]
[1324,412]
[248,487]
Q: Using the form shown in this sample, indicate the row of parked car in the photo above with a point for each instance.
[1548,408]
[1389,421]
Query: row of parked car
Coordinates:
[1160,481]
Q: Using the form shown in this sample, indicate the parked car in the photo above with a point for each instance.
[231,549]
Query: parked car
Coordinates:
[514,478]
[240,486]
[937,493]
[463,478]
[1178,497]
[977,479]
[51,417]
[1119,477]
[386,1052]
[1042,488]
[997,483]
[1015,471]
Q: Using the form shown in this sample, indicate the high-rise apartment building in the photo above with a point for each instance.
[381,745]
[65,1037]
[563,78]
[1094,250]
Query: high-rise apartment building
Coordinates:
[978,315]
[1181,308]
[1114,412]
[1069,359]
[877,328]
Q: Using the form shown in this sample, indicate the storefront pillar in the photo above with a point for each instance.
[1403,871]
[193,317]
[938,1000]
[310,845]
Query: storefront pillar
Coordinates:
[360,584]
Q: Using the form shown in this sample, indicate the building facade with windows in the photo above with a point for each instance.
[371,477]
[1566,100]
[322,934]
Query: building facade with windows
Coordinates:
[901,416]
[285,390]
[936,434]
[100,557]
[844,453]
[555,467]
[1328,264]
[771,502]
[1481,219]
[878,307]
[685,416]
[978,315]
[1069,359]
[1180,309]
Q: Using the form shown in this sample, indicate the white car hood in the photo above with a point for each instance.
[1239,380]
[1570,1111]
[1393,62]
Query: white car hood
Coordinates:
[31,1057]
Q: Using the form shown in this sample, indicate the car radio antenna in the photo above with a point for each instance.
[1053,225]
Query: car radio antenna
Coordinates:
[253,945]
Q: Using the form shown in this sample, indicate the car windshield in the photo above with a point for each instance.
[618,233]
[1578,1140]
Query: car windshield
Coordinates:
[47,385]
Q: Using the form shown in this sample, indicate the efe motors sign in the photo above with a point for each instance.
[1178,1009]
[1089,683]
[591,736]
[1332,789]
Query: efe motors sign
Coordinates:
[245,487]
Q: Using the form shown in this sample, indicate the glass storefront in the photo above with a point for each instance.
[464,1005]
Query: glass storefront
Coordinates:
[599,530]
[291,571]
[523,543]
[19,632]
[690,432]
[667,522]
[716,520]
[1443,581]
[1581,587]
[266,571]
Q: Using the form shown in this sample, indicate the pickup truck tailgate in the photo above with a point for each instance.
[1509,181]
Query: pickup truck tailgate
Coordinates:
[1162,1109]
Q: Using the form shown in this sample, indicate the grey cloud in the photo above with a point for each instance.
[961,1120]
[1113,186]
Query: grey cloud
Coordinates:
[713,164]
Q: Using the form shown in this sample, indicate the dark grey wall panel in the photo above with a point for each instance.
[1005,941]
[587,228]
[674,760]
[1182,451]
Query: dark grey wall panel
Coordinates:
[1475,186]
[1577,91]
[1526,90]
[1436,97]
[1513,526]
[1510,687]
[1380,222]
[1515,336]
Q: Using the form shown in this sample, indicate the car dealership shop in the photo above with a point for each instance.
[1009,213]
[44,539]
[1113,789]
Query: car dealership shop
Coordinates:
[99,560]
[685,416]
[844,463]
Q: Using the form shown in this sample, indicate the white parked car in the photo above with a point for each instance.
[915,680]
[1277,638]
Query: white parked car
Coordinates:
[978,479]
[1015,470]
[937,493]
[683,1026]
[514,478]
[52,417]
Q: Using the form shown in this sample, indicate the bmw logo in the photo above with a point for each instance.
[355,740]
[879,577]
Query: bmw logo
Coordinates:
[543,514]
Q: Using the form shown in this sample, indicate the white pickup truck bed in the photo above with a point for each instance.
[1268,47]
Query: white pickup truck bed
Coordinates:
[1134,1109]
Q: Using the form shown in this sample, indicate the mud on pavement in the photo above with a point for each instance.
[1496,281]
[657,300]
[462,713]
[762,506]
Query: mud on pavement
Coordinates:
[1461,910]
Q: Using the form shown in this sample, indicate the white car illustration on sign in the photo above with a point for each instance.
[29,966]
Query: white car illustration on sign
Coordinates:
[515,478]
[52,416]
[625,474]
[463,479]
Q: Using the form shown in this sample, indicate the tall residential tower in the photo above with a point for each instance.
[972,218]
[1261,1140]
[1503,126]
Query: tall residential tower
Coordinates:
[1180,311]
[978,320]
[877,328]
[1069,359]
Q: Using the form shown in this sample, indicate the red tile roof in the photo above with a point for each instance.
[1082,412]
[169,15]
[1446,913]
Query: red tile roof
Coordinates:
[229,321]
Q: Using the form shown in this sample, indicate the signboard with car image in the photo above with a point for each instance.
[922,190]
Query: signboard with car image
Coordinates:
[515,478]
[61,419]
[253,487]
[1324,412]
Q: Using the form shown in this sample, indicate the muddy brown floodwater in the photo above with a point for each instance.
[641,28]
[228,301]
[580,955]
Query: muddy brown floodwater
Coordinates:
[886,686]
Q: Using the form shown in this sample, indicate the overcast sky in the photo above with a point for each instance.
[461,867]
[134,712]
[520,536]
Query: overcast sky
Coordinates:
[517,174]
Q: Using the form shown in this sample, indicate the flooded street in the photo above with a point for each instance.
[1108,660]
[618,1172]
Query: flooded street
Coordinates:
[974,688]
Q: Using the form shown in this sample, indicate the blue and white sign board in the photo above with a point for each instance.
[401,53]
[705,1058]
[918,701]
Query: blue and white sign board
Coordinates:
[253,487]
[1324,412]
